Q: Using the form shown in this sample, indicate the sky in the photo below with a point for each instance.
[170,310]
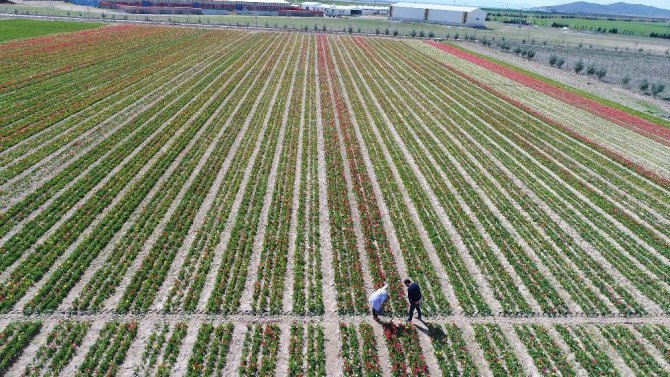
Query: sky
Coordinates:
[539,3]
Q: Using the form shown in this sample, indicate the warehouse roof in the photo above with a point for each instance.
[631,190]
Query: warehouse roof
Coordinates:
[454,8]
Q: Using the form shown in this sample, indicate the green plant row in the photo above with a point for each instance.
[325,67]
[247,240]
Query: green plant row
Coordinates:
[451,351]
[117,106]
[268,290]
[70,271]
[497,351]
[259,350]
[187,289]
[56,352]
[306,351]
[307,275]
[14,338]
[634,354]
[548,357]
[359,351]
[106,279]
[349,283]
[231,275]
[210,352]
[109,350]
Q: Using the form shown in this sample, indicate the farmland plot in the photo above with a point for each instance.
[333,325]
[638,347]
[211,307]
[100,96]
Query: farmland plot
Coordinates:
[179,201]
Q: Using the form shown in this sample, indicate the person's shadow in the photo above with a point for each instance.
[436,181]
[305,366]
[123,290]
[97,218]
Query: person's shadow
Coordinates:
[423,328]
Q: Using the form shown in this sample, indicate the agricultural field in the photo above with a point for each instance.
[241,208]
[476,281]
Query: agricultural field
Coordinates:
[17,28]
[182,201]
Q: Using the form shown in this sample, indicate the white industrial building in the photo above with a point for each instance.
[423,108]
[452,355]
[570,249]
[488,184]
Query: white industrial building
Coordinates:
[438,13]
[346,10]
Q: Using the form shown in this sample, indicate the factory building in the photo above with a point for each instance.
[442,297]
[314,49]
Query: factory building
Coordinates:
[438,13]
[345,10]
[255,7]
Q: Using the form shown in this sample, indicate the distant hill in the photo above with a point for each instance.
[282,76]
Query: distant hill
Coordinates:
[616,9]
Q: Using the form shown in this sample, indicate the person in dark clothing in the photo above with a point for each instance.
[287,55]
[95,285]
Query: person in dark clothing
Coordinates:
[414,298]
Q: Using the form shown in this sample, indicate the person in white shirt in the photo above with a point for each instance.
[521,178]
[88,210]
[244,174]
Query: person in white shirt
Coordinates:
[377,300]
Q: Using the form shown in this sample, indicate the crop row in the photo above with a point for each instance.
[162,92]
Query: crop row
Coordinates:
[406,355]
[382,264]
[349,280]
[259,350]
[546,354]
[70,271]
[591,162]
[231,276]
[210,352]
[186,289]
[53,109]
[497,351]
[442,241]
[156,345]
[307,275]
[500,218]
[58,349]
[638,359]
[52,54]
[114,109]
[590,355]
[146,282]
[105,279]
[109,349]
[269,283]
[306,352]
[490,191]
[451,195]
[359,350]
[599,237]
[414,253]
[658,336]
[13,339]
[110,153]
[451,350]
[556,255]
